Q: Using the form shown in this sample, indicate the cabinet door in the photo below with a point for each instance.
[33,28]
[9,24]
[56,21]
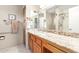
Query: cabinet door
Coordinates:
[49,48]
[32,37]
[30,41]
[38,41]
[30,45]
[36,48]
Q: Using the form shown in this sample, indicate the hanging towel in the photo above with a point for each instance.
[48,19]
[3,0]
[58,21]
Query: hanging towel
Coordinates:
[14,26]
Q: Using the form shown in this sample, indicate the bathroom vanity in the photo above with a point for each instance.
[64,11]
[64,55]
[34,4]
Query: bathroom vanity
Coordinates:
[57,30]
[44,42]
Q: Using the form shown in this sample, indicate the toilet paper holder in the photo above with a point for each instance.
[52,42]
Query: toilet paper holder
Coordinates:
[2,37]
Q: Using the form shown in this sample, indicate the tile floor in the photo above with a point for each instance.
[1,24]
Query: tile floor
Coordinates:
[16,49]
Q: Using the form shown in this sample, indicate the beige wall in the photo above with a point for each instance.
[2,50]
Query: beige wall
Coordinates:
[10,39]
[74,19]
[30,8]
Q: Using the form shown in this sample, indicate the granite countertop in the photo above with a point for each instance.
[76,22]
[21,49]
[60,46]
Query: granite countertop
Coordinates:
[68,42]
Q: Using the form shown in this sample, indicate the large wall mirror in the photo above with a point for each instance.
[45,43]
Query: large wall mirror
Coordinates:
[63,18]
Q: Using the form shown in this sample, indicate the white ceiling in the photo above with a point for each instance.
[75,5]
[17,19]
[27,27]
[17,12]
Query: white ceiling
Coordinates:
[52,9]
[46,6]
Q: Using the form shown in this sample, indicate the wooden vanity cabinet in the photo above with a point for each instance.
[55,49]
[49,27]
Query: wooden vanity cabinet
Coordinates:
[47,48]
[37,45]
[34,43]
[30,41]
[40,45]
[36,48]
[39,41]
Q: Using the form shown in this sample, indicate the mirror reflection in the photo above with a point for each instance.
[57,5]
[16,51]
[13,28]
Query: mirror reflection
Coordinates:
[60,19]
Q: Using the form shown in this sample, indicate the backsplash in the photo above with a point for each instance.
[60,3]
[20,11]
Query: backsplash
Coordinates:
[74,35]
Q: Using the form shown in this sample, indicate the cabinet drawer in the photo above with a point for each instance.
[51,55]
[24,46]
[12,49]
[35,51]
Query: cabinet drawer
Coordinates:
[36,48]
[33,37]
[38,41]
[51,48]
